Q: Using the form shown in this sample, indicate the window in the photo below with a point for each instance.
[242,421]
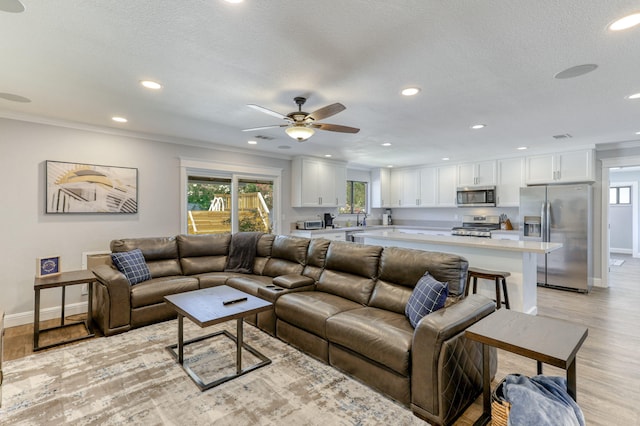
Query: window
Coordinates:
[356,198]
[619,195]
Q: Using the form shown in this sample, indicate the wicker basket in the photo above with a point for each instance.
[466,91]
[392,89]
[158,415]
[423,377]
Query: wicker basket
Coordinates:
[499,407]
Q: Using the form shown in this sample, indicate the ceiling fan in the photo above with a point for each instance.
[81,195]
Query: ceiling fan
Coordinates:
[301,124]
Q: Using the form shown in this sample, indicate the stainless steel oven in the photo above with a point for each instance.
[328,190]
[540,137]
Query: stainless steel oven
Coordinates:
[476,196]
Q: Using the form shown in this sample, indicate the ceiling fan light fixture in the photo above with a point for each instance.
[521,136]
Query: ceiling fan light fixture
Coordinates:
[299,133]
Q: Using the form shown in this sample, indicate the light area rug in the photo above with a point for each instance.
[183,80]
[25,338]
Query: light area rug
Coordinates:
[132,379]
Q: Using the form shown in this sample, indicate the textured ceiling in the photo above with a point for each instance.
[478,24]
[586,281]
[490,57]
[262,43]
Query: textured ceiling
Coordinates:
[490,62]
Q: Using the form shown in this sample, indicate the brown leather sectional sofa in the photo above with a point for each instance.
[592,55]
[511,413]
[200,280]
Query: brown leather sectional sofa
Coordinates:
[342,303]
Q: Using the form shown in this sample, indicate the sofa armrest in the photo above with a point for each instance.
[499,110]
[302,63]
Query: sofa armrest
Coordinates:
[432,333]
[293,281]
[113,304]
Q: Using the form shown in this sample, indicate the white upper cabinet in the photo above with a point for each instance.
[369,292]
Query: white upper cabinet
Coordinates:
[405,188]
[380,188]
[510,180]
[447,183]
[477,174]
[564,167]
[428,187]
[318,183]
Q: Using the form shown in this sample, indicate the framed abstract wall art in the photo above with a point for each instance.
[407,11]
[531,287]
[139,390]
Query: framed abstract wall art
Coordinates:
[90,188]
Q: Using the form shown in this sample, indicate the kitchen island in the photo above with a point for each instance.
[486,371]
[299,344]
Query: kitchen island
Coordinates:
[517,257]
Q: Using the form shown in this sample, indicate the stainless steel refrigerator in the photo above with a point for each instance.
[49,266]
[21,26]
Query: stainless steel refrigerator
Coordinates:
[560,214]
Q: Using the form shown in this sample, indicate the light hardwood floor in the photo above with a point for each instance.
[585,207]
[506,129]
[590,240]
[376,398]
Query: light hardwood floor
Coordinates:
[608,364]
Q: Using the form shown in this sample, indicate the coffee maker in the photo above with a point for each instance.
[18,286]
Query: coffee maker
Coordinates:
[328,220]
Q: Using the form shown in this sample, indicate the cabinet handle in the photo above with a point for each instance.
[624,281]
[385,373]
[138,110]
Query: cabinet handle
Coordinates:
[336,201]
[399,202]
[417,201]
[319,200]
[559,175]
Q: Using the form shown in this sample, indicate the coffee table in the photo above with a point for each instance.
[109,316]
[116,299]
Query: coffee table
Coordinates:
[212,306]
[546,340]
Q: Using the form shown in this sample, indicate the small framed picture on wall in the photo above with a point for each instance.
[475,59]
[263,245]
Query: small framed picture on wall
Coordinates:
[47,266]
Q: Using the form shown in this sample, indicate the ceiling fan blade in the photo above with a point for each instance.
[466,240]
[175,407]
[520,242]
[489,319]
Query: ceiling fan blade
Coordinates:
[327,111]
[268,111]
[335,128]
[265,127]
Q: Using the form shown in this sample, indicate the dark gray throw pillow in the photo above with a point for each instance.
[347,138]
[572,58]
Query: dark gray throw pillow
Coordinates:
[132,265]
[428,296]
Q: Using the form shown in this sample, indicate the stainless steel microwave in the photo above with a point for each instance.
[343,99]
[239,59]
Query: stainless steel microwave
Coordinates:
[476,196]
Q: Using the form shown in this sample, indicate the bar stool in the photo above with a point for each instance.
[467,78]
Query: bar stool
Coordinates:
[486,274]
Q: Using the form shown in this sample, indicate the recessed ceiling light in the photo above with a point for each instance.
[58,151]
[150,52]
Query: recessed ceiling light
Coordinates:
[390,166]
[445,158]
[634,96]
[149,84]
[14,98]
[576,71]
[410,91]
[637,133]
[386,144]
[328,155]
[522,148]
[234,1]
[11,6]
[252,142]
[626,22]
[119,119]
[478,126]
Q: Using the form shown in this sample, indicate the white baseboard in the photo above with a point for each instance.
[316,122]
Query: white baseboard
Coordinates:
[597,282]
[23,318]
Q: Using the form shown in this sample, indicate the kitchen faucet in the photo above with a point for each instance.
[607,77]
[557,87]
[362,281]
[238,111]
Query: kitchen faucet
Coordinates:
[364,219]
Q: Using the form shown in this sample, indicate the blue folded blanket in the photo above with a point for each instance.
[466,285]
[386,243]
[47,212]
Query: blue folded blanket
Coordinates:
[540,401]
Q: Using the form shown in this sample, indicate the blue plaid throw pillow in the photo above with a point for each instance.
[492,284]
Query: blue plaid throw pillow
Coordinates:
[428,296]
[132,265]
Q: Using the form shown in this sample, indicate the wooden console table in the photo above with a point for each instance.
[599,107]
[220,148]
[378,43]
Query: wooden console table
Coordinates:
[63,280]
[546,340]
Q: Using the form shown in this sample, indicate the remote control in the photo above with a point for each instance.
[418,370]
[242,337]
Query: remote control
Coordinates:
[230,302]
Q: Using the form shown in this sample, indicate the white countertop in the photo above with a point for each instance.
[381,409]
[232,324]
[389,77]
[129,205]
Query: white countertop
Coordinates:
[370,228]
[452,240]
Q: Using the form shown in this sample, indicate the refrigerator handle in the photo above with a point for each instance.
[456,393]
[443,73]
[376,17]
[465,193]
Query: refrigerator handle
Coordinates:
[548,223]
[543,223]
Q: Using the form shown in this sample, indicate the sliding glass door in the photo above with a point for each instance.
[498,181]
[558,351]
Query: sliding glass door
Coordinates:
[229,204]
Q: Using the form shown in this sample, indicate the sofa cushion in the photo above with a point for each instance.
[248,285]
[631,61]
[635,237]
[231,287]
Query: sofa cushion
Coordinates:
[316,257]
[132,265]
[348,286]
[153,291]
[160,253]
[203,253]
[428,296]
[309,310]
[288,256]
[340,257]
[350,271]
[249,283]
[382,336]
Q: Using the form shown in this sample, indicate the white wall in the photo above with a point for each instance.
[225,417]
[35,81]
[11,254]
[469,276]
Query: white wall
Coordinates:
[27,232]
